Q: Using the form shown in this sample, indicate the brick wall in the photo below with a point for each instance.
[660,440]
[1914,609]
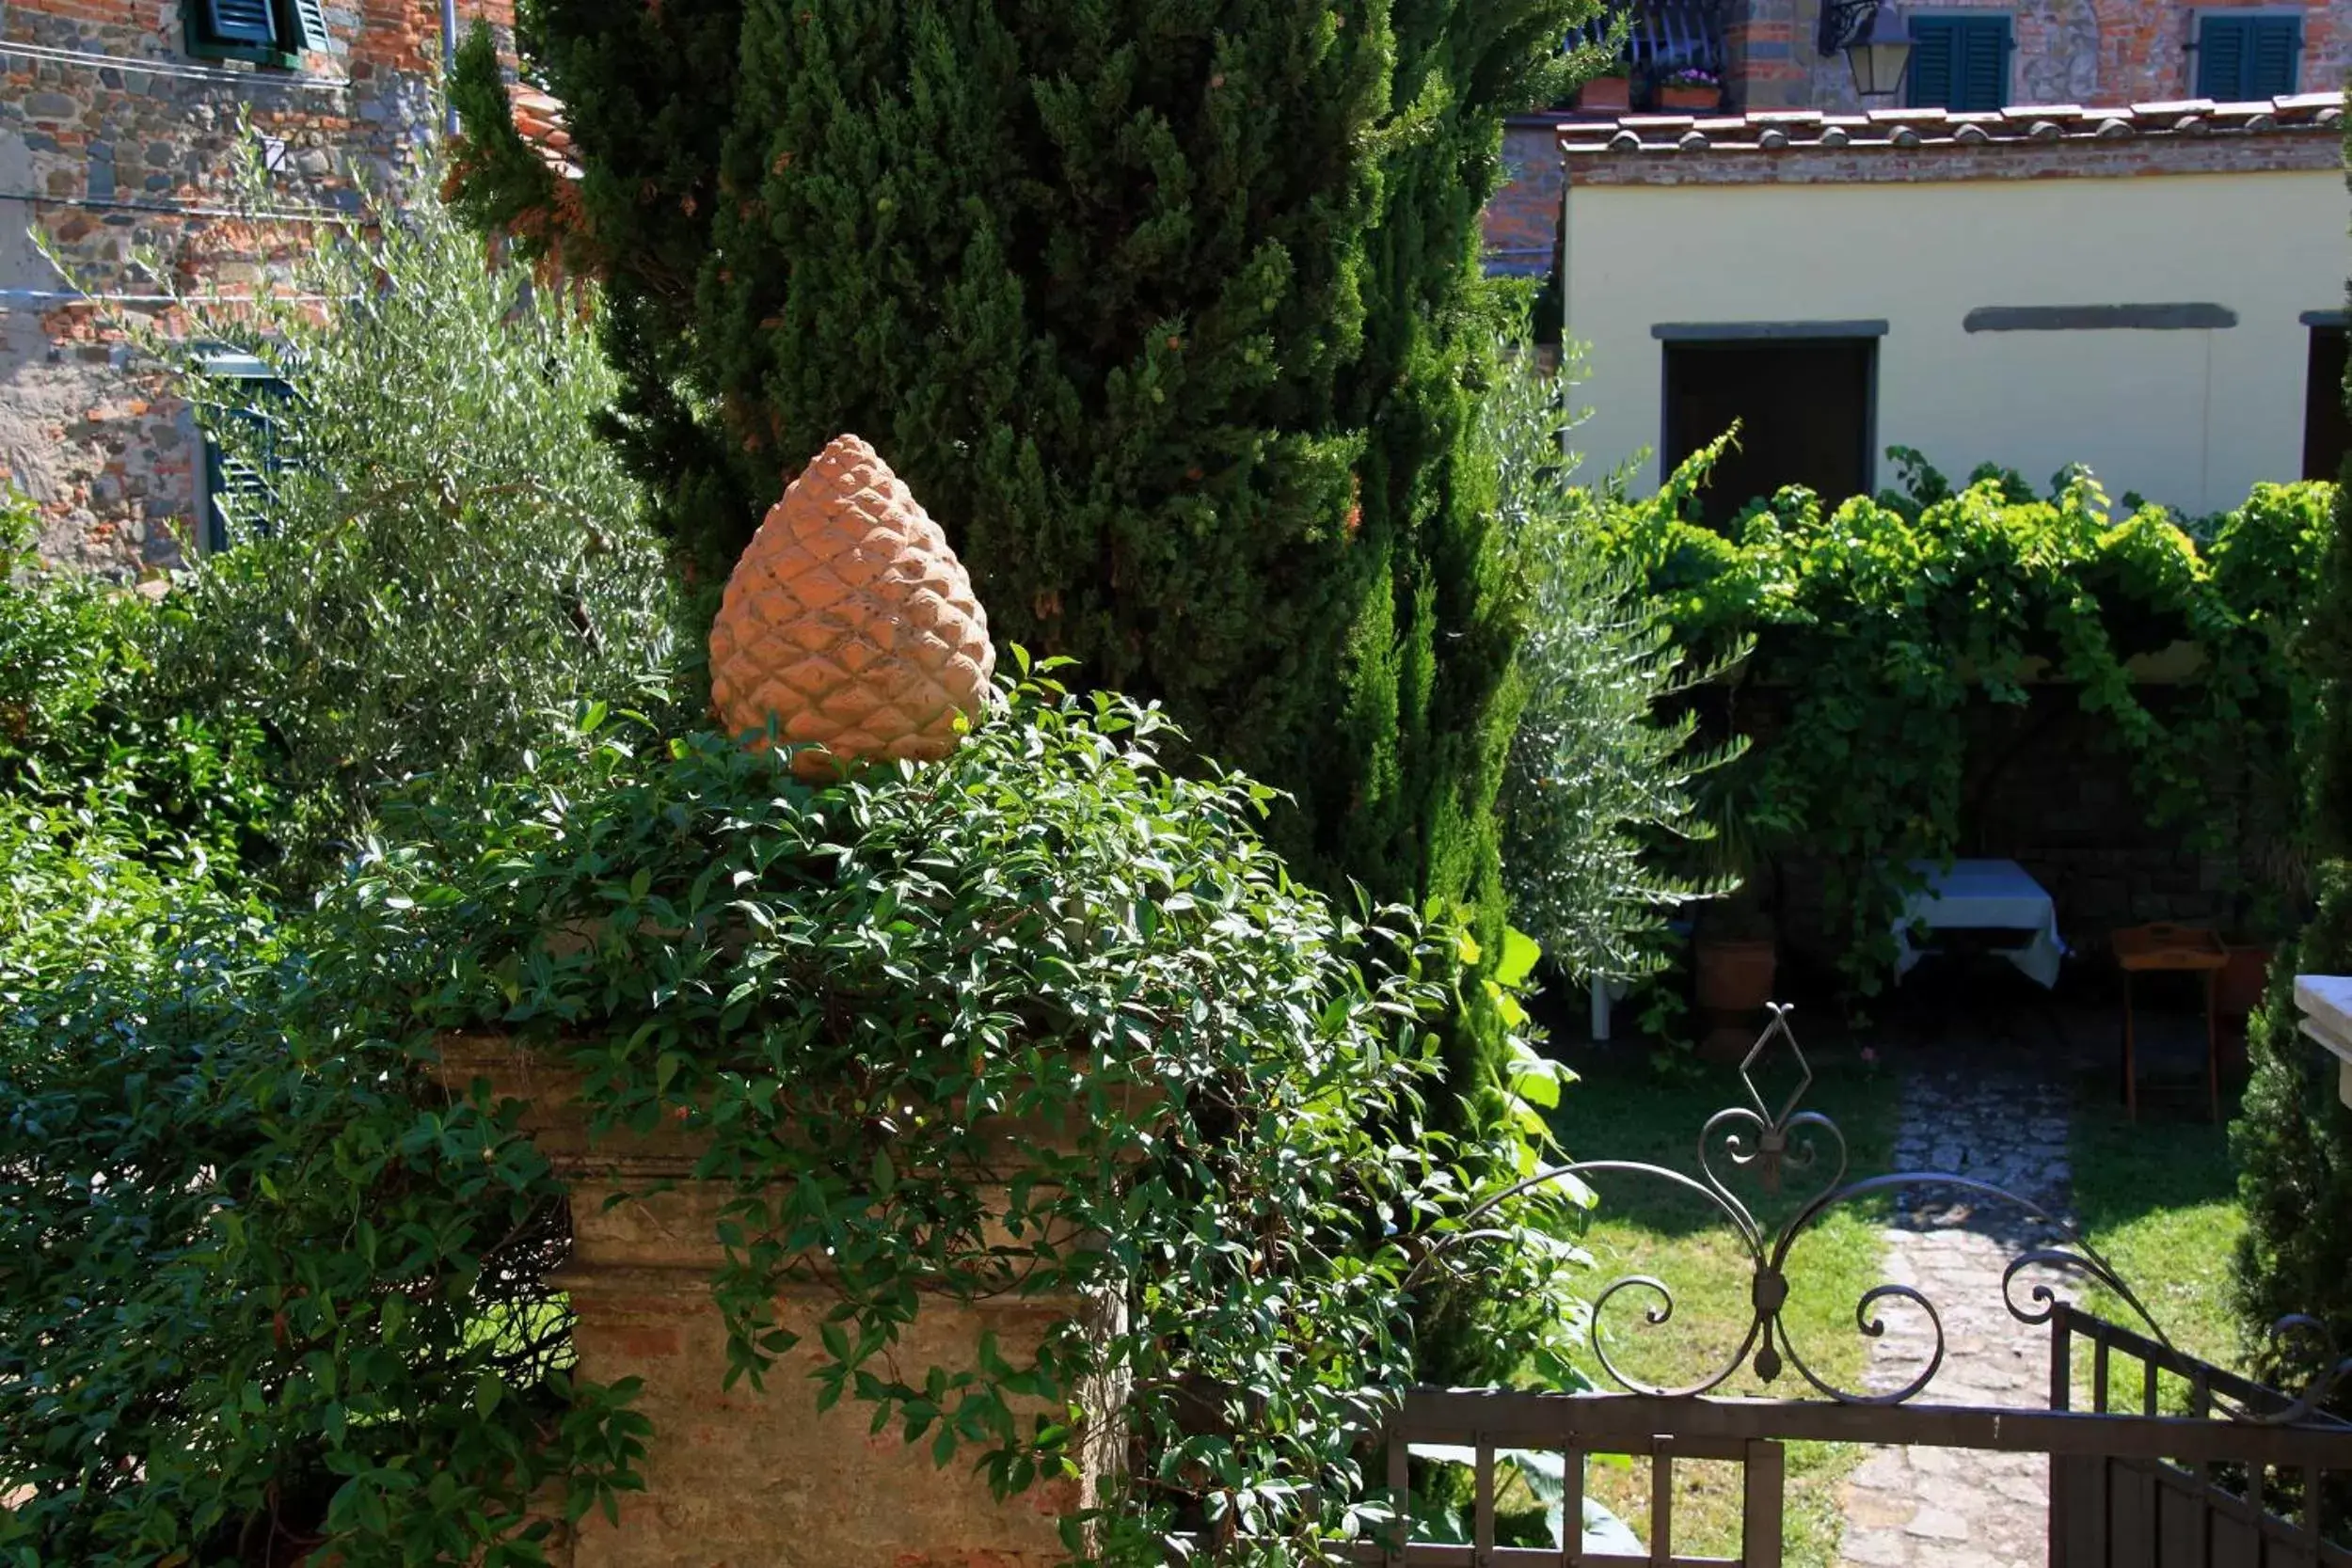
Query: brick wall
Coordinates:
[115,142]
[1522,222]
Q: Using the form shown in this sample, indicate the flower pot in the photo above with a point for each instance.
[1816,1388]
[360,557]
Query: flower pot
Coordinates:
[1735,975]
[2237,990]
[1689,100]
[1606,95]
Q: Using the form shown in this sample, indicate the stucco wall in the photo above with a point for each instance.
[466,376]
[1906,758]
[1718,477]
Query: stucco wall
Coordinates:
[2191,419]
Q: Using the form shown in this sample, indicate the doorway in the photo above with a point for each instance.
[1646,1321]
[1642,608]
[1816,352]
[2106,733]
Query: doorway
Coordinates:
[1804,409]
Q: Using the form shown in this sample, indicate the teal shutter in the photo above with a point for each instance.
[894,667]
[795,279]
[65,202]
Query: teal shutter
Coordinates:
[2275,46]
[240,22]
[2243,59]
[1959,62]
[1931,62]
[1981,79]
[237,476]
[304,25]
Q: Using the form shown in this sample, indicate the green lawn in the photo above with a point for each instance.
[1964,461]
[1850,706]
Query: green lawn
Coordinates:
[2159,1201]
[1624,1109]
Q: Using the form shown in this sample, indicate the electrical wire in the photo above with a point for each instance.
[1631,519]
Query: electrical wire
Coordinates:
[51,298]
[91,60]
[103,203]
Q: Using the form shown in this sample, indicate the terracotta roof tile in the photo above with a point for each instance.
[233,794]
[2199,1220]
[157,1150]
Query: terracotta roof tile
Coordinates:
[1774,129]
[539,118]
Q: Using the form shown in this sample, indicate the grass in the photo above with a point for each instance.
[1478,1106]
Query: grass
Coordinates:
[1626,1109]
[2158,1199]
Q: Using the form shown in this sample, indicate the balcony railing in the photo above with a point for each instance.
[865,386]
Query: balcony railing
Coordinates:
[1664,35]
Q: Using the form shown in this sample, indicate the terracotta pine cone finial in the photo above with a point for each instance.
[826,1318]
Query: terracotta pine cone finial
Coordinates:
[850,622]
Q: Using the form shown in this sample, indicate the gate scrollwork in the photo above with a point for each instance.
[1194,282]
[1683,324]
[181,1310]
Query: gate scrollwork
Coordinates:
[1756,1141]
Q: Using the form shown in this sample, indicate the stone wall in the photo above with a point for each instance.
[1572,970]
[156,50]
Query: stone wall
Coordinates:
[2067,50]
[115,143]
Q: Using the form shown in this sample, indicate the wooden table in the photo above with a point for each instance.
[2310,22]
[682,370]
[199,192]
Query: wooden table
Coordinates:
[2140,949]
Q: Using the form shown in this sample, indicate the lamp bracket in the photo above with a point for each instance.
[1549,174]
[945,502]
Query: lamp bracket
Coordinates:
[1843,22]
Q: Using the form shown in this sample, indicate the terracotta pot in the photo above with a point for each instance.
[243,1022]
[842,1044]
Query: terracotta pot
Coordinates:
[1606,95]
[1735,977]
[2237,990]
[850,623]
[1687,100]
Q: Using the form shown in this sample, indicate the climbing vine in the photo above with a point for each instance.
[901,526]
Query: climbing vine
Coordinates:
[843,994]
[1883,624]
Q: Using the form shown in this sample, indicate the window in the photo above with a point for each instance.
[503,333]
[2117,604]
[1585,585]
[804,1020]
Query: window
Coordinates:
[1959,62]
[2326,432]
[267,32]
[237,474]
[2241,58]
[1804,409]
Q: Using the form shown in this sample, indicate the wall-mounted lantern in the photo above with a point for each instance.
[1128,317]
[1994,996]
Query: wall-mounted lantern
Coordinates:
[1876,40]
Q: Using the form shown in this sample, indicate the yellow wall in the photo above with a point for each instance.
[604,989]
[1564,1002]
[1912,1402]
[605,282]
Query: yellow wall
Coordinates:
[2191,419]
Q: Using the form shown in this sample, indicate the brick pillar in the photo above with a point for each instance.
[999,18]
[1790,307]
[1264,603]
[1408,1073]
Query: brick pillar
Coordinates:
[1769,44]
[736,1478]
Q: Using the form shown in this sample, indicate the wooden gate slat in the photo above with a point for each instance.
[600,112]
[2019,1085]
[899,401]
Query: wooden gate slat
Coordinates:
[2131,1515]
[1763,1480]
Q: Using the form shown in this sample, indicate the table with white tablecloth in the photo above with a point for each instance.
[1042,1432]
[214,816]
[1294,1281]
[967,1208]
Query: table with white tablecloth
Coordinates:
[1983,895]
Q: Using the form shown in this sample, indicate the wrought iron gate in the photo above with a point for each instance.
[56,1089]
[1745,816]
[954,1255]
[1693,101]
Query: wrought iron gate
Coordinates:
[2234,1475]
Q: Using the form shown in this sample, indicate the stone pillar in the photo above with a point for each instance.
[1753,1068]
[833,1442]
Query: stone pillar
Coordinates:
[1769,44]
[736,1478]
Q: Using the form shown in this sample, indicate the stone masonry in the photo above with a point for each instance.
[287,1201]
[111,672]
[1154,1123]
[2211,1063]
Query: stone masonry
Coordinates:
[2067,50]
[2070,54]
[116,142]
[1907,1507]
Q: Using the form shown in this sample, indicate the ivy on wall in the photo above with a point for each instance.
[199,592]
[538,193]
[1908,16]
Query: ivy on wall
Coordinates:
[1886,623]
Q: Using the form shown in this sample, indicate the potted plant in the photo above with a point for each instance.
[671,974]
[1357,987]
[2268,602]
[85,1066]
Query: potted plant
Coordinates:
[1690,89]
[1612,94]
[1735,956]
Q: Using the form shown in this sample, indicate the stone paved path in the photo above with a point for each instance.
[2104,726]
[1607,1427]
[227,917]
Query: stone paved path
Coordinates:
[1907,1507]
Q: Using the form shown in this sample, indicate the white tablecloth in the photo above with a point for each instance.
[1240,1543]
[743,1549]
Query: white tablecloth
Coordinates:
[1979,895]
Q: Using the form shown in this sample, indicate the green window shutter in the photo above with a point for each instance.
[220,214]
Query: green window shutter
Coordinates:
[304,25]
[1932,61]
[1980,71]
[237,486]
[239,21]
[1959,62]
[2221,58]
[2274,45]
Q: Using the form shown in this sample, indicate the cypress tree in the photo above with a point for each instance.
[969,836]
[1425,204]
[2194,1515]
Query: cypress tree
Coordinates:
[2293,1136]
[1170,310]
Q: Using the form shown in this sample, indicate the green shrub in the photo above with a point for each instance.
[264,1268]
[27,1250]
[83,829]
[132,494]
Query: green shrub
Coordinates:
[259,1292]
[276,1297]
[1601,774]
[77,736]
[2294,1137]
[442,553]
[1170,314]
[1892,622]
